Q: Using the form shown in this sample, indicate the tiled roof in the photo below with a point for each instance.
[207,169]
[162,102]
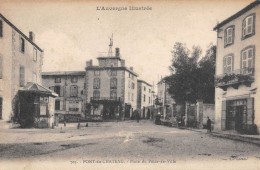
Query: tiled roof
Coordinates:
[34,87]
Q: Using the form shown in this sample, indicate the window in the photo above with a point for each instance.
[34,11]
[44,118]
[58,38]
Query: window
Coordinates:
[113,94]
[149,90]
[113,83]
[248,26]
[247,60]
[1,67]
[73,91]
[57,89]
[96,94]
[149,100]
[144,97]
[228,64]
[57,105]
[22,76]
[22,45]
[113,73]
[34,78]
[129,96]
[34,54]
[57,80]
[96,72]
[229,36]
[129,84]
[129,75]
[132,96]
[1,28]
[133,86]
[74,79]
[144,88]
[96,84]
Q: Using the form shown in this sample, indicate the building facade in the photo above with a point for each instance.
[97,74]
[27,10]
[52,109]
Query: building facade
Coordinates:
[164,101]
[70,87]
[144,98]
[20,63]
[111,88]
[237,75]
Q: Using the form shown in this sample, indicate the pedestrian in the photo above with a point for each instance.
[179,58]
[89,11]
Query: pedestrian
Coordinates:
[209,125]
[137,116]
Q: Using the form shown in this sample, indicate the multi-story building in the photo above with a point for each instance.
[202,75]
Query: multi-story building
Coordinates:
[111,87]
[237,75]
[164,100]
[70,86]
[20,62]
[144,98]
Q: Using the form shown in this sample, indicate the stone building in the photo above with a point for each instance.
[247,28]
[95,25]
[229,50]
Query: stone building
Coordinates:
[70,87]
[165,103]
[20,63]
[237,75]
[111,88]
[144,98]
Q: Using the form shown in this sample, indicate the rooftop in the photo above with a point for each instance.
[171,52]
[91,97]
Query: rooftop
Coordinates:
[63,73]
[20,32]
[239,13]
[142,81]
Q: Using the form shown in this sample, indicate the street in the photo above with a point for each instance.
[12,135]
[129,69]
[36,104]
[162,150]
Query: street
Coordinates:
[121,141]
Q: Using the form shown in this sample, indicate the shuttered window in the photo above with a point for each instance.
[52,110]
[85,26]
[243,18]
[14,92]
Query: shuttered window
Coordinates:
[96,94]
[22,76]
[1,28]
[22,45]
[113,83]
[96,84]
[73,91]
[247,60]
[248,26]
[1,67]
[229,36]
[228,64]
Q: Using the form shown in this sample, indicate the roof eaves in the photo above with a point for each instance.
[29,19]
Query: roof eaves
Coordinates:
[20,32]
[236,15]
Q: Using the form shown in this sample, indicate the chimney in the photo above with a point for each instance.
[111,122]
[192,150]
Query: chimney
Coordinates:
[89,63]
[132,68]
[31,36]
[117,52]
[122,63]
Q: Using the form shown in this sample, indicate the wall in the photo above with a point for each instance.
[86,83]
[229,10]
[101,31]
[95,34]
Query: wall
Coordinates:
[236,48]
[12,59]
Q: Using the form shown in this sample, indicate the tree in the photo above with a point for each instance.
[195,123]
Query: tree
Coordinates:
[192,79]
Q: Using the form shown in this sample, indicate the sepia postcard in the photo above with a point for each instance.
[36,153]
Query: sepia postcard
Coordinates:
[129,84]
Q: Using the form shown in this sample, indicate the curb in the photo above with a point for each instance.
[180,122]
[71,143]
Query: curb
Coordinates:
[248,139]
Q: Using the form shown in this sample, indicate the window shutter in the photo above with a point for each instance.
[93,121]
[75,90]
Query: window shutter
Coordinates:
[61,91]
[224,64]
[61,105]
[1,28]
[250,111]
[223,115]
[244,27]
[225,37]
[1,67]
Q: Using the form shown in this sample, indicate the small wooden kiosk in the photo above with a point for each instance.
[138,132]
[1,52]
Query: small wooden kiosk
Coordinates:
[36,106]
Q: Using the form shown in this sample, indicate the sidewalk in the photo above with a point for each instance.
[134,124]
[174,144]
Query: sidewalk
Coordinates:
[254,139]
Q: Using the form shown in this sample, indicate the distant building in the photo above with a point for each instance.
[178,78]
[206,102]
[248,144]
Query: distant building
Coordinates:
[144,98]
[70,87]
[111,88]
[237,75]
[164,101]
[20,63]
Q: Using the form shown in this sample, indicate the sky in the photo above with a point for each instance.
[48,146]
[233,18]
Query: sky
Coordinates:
[72,32]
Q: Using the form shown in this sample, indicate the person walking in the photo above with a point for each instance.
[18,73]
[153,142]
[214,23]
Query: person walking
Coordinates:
[209,125]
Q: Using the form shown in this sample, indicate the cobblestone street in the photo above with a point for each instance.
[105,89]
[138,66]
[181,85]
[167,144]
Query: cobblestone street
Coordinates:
[127,141]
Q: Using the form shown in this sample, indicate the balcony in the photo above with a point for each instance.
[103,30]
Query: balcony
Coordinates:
[243,76]
[105,99]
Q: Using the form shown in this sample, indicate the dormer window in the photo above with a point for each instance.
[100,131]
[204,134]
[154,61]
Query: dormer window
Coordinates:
[248,26]
[229,35]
